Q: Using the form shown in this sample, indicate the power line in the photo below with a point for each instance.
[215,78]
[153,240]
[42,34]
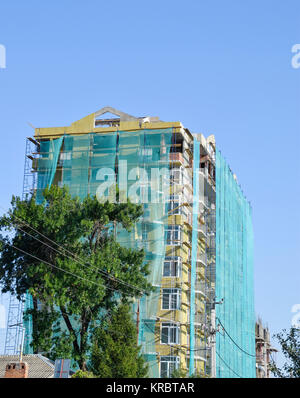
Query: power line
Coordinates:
[74,256]
[61,269]
[228,365]
[84,264]
[245,352]
[106,274]
[52,265]
[88,280]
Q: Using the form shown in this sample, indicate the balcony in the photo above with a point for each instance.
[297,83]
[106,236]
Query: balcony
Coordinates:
[200,288]
[176,157]
[199,320]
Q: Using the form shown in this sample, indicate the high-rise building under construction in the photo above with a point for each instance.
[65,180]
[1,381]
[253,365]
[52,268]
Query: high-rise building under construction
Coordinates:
[196,231]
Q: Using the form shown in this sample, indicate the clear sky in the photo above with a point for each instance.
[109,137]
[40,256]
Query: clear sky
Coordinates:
[221,67]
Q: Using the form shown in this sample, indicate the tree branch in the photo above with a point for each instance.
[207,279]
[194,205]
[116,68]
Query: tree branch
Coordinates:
[70,328]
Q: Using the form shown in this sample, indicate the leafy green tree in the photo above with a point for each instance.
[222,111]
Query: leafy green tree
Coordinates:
[71,283]
[80,374]
[181,373]
[115,353]
[290,346]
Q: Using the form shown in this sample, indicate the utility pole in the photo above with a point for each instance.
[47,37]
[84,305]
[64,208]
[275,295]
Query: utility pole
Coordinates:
[22,340]
[213,336]
[213,343]
[22,344]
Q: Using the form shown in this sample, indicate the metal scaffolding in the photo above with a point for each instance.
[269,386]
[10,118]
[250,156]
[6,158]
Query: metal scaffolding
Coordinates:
[14,327]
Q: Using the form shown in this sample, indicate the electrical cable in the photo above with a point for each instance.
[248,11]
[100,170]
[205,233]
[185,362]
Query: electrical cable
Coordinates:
[52,265]
[74,256]
[103,273]
[61,269]
[245,352]
[228,365]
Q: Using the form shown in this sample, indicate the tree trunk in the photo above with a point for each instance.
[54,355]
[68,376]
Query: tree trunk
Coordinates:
[82,365]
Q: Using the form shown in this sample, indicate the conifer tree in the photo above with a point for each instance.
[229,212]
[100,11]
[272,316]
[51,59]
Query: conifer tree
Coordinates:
[115,352]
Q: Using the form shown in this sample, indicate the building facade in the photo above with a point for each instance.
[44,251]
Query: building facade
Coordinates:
[264,350]
[196,231]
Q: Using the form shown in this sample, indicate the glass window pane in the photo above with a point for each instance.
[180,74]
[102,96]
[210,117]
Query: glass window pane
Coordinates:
[165,303]
[164,369]
[173,301]
[172,367]
[173,335]
[167,268]
[174,268]
[164,335]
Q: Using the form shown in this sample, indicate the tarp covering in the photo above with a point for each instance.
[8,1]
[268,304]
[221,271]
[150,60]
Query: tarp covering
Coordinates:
[137,162]
[146,156]
[235,355]
[49,151]
[46,167]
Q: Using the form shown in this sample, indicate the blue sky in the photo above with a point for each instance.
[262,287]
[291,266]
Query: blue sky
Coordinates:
[220,67]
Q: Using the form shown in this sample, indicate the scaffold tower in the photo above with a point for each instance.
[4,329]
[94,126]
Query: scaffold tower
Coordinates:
[16,307]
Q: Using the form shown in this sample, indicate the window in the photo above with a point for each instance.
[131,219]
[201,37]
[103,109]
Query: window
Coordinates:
[145,235]
[169,333]
[172,266]
[171,299]
[174,205]
[168,365]
[65,156]
[176,175]
[146,152]
[173,235]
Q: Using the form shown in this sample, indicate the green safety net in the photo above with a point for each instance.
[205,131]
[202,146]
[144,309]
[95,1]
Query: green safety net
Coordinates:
[235,341]
[87,160]
[47,165]
[144,155]
[27,322]
[46,169]
[138,162]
